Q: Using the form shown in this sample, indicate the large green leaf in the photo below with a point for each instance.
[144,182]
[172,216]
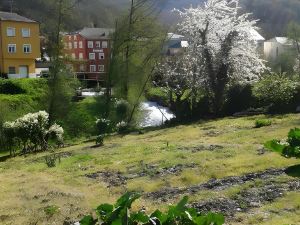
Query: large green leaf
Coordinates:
[160,216]
[139,217]
[88,220]
[127,199]
[210,219]
[104,211]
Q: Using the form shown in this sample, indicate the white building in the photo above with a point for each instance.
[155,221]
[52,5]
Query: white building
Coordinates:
[277,46]
[175,44]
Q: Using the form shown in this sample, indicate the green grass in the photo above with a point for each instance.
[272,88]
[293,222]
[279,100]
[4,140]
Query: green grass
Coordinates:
[27,182]
[31,100]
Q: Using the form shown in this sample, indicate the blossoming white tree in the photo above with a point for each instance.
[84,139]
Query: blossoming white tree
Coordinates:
[222,45]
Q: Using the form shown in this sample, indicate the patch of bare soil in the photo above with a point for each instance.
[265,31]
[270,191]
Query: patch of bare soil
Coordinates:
[201,148]
[115,179]
[215,184]
[247,199]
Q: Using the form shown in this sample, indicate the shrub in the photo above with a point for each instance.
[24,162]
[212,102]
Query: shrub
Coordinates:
[287,148]
[50,160]
[262,123]
[100,140]
[159,95]
[122,127]
[276,91]
[11,88]
[121,212]
[32,131]
[103,126]
[239,98]
[122,109]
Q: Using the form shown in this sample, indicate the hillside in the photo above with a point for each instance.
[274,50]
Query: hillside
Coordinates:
[220,164]
[87,13]
[274,15]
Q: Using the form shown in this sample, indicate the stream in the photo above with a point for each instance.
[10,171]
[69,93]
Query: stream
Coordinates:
[154,114]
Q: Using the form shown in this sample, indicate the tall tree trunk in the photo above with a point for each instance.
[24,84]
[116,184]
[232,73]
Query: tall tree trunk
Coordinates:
[127,52]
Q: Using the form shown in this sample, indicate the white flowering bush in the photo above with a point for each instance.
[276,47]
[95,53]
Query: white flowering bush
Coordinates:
[32,131]
[103,126]
[56,131]
[122,126]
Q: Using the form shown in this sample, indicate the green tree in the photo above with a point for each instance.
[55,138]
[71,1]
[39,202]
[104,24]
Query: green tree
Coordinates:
[61,83]
[137,47]
[293,32]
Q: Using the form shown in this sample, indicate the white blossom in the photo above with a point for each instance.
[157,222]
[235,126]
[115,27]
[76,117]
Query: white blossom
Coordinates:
[210,25]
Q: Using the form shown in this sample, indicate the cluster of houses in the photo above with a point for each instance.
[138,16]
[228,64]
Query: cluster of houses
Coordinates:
[88,50]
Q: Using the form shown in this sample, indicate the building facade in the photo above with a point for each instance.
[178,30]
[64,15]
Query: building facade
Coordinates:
[88,53]
[277,46]
[19,45]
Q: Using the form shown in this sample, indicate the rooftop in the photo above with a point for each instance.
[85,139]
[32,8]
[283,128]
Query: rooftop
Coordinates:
[95,33]
[281,40]
[7,16]
[172,36]
[256,36]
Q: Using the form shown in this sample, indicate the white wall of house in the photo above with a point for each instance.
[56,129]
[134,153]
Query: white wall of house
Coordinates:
[275,47]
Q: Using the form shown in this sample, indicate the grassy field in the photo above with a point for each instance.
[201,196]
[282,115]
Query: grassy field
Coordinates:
[167,159]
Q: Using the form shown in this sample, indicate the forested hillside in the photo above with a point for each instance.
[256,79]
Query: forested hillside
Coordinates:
[87,13]
[273,14]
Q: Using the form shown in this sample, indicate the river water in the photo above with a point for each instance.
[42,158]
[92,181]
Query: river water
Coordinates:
[154,114]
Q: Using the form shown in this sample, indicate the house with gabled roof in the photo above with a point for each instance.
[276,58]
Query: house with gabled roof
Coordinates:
[89,52]
[19,45]
[278,46]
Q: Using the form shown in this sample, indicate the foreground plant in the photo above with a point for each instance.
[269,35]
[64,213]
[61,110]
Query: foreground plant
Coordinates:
[120,214]
[288,148]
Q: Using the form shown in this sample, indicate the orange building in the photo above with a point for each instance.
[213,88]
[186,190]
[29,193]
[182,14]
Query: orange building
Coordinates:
[19,45]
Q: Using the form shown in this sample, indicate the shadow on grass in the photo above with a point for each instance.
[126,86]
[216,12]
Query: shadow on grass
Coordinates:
[293,171]
[4,158]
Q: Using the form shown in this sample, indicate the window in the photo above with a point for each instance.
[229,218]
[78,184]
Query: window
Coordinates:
[92,56]
[104,44]
[70,45]
[25,32]
[11,31]
[73,56]
[90,44]
[12,48]
[75,44]
[101,68]
[80,56]
[101,56]
[98,44]
[66,45]
[81,68]
[11,70]
[27,48]
[75,37]
[80,44]
[92,68]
